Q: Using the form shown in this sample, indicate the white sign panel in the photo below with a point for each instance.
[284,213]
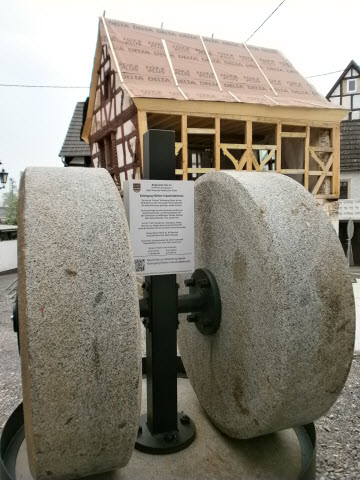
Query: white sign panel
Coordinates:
[161,218]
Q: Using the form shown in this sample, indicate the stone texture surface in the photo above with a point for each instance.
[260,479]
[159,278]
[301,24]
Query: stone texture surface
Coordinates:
[283,350]
[79,323]
[212,455]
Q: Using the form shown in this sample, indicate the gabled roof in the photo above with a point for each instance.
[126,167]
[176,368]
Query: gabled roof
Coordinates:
[157,63]
[178,72]
[73,145]
[352,64]
[350,145]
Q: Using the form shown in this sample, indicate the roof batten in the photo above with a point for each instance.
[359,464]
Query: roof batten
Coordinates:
[261,70]
[271,99]
[115,59]
[172,68]
[211,64]
[234,96]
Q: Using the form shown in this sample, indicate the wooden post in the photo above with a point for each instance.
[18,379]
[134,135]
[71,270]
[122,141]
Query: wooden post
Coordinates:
[335,143]
[248,145]
[115,162]
[278,147]
[143,127]
[217,143]
[307,158]
[184,140]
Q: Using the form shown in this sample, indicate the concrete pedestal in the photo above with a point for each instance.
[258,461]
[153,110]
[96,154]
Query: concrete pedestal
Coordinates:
[211,456]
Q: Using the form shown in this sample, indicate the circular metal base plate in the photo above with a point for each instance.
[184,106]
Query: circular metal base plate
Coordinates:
[169,442]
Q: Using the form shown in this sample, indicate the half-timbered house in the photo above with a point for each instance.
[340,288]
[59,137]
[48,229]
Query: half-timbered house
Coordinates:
[346,91]
[231,105]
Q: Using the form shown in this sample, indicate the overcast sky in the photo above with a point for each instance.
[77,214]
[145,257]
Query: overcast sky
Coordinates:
[52,42]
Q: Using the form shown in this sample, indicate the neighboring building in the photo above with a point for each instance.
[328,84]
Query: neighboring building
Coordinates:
[349,203]
[346,92]
[231,105]
[75,152]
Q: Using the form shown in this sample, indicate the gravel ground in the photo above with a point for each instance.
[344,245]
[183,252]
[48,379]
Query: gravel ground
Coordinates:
[10,380]
[338,432]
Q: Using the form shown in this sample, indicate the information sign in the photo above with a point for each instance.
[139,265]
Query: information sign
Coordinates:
[161,219]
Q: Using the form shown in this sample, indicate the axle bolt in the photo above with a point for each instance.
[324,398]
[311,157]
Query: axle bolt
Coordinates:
[169,437]
[184,420]
[192,318]
[189,282]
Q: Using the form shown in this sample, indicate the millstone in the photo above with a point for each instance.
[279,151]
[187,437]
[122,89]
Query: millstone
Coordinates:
[284,347]
[79,323]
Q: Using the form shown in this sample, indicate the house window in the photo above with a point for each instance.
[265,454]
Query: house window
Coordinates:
[107,83]
[107,153]
[102,161]
[351,84]
[344,189]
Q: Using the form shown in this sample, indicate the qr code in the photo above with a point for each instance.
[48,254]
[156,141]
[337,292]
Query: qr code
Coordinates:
[139,264]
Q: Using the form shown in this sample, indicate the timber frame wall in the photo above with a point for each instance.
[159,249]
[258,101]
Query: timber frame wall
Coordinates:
[321,169]
[114,139]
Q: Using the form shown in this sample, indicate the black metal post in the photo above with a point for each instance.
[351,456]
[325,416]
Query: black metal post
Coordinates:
[162,432]
[159,164]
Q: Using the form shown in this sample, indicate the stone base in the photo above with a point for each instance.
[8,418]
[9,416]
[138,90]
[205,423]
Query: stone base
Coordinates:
[212,454]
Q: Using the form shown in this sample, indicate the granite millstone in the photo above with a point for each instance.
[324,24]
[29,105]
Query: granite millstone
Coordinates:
[79,323]
[284,347]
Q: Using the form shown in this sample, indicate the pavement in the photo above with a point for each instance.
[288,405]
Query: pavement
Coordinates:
[10,378]
[355,277]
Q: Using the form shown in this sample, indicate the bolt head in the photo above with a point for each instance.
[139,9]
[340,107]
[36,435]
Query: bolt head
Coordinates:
[184,420]
[192,318]
[189,282]
[140,430]
[169,437]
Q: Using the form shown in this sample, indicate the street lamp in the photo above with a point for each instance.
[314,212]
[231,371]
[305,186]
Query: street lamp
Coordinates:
[3,177]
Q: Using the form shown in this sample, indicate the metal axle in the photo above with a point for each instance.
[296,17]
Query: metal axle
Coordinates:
[203,302]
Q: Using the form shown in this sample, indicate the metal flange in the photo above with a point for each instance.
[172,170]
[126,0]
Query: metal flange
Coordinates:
[204,302]
[169,442]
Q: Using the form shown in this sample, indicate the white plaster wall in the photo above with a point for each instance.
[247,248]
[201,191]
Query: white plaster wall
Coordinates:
[356,287]
[8,255]
[354,183]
